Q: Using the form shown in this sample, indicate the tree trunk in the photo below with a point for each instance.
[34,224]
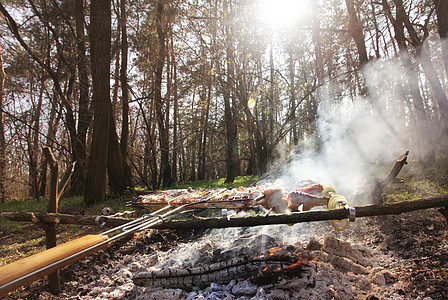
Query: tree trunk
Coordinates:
[229,111]
[442,24]
[424,55]
[33,144]
[100,36]
[161,28]
[271,95]
[117,168]
[175,114]
[124,82]
[79,146]
[51,133]
[3,196]
[426,145]
[205,126]
[355,28]
[292,96]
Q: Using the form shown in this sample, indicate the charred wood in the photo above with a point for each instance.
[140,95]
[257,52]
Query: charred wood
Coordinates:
[259,269]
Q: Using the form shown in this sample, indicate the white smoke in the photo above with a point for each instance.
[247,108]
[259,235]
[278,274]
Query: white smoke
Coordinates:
[356,135]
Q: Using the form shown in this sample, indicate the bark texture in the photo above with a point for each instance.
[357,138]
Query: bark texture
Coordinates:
[100,37]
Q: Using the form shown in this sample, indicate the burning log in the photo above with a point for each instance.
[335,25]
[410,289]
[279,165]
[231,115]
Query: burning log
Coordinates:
[258,269]
[276,265]
[266,267]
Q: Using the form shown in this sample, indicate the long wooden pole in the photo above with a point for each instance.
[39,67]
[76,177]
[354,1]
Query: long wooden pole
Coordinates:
[299,217]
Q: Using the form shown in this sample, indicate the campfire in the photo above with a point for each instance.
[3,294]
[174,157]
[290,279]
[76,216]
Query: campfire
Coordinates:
[263,262]
[244,258]
[268,262]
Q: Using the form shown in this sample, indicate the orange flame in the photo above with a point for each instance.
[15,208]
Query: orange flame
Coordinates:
[299,262]
[274,251]
[296,264]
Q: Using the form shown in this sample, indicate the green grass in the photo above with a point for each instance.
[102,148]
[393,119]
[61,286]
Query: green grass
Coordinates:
[419,182]
[217,183]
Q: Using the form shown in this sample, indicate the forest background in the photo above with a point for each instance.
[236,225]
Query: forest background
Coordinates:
[149,93]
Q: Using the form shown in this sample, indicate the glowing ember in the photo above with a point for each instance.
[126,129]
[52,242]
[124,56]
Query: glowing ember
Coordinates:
[298,263]
[274,251]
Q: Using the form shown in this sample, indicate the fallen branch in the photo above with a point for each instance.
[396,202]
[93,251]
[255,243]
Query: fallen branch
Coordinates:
[393,173]
[300,217]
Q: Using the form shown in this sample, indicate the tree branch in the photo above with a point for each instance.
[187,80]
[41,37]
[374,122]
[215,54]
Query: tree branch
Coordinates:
[300,217]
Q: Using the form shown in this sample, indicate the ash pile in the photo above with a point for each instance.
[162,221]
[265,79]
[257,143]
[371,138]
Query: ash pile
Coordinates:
[269,262]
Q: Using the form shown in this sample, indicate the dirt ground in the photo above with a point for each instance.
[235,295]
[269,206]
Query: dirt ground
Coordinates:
[415,243]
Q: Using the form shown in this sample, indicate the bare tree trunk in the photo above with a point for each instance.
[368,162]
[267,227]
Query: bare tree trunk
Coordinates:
[100,36]
[117,168]
[377,30]
[424,55]
[33,144]
[317,41]
[3,196]
[175,113]
[271,95]
[124,82]
[442,24]
[84,116]
[51,134]
[292,96]
[426,145]
[205,126]
[161,28]
[355,28]
[229,111]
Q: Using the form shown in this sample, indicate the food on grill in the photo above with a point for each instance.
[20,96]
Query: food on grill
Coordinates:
[271,197]
[275,199]
[304,199]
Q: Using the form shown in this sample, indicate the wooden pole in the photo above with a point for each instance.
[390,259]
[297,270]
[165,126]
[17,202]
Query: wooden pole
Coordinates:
[50,227]
[299,217]
[23,271]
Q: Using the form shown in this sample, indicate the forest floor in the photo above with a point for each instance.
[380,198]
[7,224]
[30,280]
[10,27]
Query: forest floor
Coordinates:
[417,244]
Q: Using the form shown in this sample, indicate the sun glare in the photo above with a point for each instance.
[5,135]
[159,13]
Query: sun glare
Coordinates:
[282,13]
